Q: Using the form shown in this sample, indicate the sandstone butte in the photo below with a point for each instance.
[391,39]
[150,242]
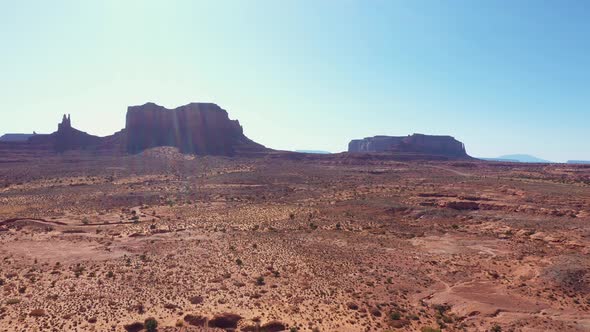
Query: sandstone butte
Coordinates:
[206,129]
[416,143]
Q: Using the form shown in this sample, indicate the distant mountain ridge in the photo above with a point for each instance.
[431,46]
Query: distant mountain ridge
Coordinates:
[314,151]
[519,158]
[581,162]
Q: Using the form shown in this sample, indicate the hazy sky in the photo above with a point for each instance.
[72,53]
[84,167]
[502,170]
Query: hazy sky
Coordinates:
[501,76]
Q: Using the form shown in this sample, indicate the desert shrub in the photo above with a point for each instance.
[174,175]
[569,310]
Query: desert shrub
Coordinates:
[239,262]
[151,324]
[260,281]
[395,315]
[441,308]
[496,328]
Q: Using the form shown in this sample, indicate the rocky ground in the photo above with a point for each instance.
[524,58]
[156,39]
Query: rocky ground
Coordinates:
[271,244]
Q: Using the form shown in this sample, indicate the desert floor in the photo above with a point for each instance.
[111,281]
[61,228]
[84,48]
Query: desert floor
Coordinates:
[272,244]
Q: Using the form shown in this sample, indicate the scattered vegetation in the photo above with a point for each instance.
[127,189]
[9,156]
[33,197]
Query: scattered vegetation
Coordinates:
[260,281]
[151,324]
[496,328]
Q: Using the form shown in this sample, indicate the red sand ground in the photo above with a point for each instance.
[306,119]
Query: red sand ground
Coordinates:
[329,244]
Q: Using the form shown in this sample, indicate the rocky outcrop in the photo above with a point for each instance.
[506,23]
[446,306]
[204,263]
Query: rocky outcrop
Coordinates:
[68,138]
[199,128]
[416,143]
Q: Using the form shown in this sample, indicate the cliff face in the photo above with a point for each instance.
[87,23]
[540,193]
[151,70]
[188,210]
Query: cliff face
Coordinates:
[416,143]
[375,144]
[444,145]
[200,128]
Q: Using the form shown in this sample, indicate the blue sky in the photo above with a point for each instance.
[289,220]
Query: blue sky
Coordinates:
[501,76]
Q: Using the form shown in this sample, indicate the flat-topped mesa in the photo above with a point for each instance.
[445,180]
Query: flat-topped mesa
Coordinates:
[16,137]
[375,144]
[200,128]
[416,143]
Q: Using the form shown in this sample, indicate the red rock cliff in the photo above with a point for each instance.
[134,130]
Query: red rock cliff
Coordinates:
[200,128]
[417,143]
